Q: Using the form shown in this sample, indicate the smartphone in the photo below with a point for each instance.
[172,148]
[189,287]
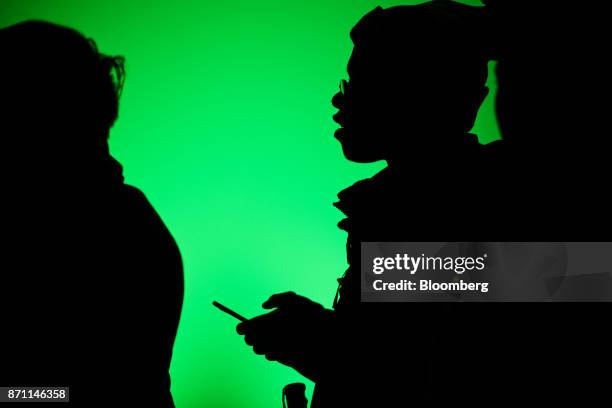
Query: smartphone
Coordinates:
[229,311]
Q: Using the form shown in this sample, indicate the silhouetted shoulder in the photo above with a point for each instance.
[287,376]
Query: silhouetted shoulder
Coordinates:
[134,193]
[142,211]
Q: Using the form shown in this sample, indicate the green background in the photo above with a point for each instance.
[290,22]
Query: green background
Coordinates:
[226,125]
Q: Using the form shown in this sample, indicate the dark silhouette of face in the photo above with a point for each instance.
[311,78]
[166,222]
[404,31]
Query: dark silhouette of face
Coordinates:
[361,110]
[410,87]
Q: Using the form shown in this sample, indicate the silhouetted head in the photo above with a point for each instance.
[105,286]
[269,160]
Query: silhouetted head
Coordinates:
[57,92]
[417,79]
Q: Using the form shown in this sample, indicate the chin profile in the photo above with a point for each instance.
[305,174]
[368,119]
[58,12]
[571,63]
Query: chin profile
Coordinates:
[360,156]
[356,151]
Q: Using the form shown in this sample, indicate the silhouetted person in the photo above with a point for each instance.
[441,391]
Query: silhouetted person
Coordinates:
[553,175]
[417,79]
[92,280]
[551,114]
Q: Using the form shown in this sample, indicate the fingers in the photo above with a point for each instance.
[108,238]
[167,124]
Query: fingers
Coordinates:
[257,323]
[262,328]
[241,328]
[265,334]
[284,300]
[268,354]
[264,347]
[278,333]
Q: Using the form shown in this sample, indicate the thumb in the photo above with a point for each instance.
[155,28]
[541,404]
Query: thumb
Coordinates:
[284,300]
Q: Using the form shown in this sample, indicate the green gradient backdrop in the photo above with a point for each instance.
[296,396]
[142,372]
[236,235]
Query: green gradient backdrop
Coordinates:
[226,125]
